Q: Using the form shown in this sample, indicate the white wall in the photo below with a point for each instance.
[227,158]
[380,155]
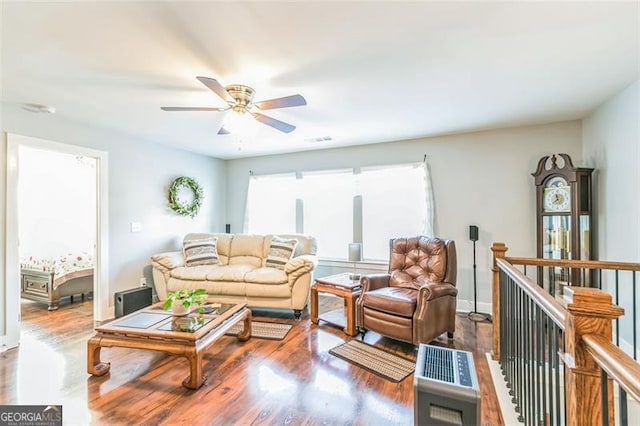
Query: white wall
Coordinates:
[612,145]
[139,177]
[480,178]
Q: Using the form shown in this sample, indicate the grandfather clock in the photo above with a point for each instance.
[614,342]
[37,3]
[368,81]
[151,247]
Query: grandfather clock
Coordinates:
[564,216]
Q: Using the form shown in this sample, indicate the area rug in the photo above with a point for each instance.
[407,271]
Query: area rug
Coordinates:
[263,330]
[389,366]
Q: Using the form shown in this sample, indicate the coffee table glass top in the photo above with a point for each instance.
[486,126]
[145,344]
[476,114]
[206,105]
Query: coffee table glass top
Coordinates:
[154,319]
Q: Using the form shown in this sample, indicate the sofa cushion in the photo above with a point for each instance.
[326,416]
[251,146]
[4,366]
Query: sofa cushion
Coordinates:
[192,273]
[266,276]
[232,289]
[268,291]
[229,273]
[200,252]
[246,245]
[280,251]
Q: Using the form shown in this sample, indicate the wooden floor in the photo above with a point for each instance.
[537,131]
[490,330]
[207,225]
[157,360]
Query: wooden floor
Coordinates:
[294,381]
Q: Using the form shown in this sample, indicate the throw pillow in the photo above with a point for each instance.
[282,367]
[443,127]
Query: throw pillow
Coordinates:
[280,251]
[200,252]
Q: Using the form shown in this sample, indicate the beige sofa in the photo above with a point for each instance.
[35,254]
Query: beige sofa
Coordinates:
[241,274]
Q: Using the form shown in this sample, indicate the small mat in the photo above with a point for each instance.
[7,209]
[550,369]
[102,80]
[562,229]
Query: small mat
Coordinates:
[263,330]
[389,366]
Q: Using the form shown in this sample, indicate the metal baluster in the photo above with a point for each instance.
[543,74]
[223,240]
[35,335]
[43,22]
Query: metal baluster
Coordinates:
[518,375]
[617,303]
[557,372]
[622,404]
[525,361]
[624,414]
[505,326]
[528,357]
[545,365]
[635,336]
[604,395]
[539,331]
[516,341]
[563,402]
[550,361]
[512,322]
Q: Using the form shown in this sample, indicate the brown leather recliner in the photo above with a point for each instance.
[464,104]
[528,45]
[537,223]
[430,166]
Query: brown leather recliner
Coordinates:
[416,301]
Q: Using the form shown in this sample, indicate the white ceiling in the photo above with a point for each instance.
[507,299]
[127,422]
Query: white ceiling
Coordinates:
[370,71]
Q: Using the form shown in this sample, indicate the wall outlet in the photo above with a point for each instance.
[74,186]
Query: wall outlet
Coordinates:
[143,282]
[136,226]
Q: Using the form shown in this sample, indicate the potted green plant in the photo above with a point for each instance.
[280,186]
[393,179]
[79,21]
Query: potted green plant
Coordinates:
[181,302]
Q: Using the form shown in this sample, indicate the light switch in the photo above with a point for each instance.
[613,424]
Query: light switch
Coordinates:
[136,226]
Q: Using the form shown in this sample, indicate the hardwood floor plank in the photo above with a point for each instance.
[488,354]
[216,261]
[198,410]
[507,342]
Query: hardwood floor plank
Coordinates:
[262,382]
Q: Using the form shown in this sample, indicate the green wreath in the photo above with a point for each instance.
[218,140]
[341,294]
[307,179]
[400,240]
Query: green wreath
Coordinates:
[180,206]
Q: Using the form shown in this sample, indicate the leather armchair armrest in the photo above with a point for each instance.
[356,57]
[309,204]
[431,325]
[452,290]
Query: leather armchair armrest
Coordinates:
[373,282]
[436,290]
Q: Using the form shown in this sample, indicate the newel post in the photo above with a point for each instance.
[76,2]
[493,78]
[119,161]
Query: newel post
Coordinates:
[590,311]
[499,251]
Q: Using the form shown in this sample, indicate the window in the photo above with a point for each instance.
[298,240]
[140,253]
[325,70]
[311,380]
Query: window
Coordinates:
[327,202]
[393,204]
[389,201]
[271,204]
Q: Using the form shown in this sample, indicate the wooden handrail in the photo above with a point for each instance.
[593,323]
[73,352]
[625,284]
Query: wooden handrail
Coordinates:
[585,315]
[579,264]
[549,305]
[618,365]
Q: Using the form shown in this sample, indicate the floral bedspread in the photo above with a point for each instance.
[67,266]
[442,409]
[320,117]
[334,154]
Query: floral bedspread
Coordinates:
[65,264]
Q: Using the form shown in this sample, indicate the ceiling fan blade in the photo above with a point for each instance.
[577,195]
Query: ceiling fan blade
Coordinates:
[276,124]
[223,131]
[191,109]
[216,87]
[286,102]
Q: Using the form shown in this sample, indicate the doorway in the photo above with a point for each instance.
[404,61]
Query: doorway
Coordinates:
[100,282]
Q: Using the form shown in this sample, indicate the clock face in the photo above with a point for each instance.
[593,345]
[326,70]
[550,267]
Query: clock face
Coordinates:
[557,196]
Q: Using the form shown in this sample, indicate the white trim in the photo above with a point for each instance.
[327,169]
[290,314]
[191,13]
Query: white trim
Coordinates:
[467,306]
[11,261]
[101,289]
[366,264]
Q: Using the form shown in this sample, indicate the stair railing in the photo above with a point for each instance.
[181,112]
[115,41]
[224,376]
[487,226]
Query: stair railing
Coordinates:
[556,351]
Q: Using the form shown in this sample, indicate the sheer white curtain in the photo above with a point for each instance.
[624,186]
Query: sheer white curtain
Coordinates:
[327,199]
[271,204]
[396,201]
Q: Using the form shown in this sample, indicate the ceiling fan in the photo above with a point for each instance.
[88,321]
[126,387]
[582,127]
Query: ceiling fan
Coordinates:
[239,99]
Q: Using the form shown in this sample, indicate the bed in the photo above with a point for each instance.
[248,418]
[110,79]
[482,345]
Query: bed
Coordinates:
[48,280]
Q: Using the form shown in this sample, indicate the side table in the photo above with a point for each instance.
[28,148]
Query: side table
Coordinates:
[342,286]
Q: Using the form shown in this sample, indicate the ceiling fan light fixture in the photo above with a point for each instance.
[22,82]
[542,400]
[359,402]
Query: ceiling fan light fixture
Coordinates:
[240,123]
[243,95]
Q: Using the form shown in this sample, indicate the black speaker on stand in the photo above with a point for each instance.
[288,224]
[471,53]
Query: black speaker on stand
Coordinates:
[475,315]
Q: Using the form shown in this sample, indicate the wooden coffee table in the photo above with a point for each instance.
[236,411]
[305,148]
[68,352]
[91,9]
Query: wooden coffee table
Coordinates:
[339,285]
[155,329]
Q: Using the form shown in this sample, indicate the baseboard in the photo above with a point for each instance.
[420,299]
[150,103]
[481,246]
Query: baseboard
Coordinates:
[467,306]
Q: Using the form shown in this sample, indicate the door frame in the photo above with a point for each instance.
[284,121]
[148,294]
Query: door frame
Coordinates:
[12,268]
